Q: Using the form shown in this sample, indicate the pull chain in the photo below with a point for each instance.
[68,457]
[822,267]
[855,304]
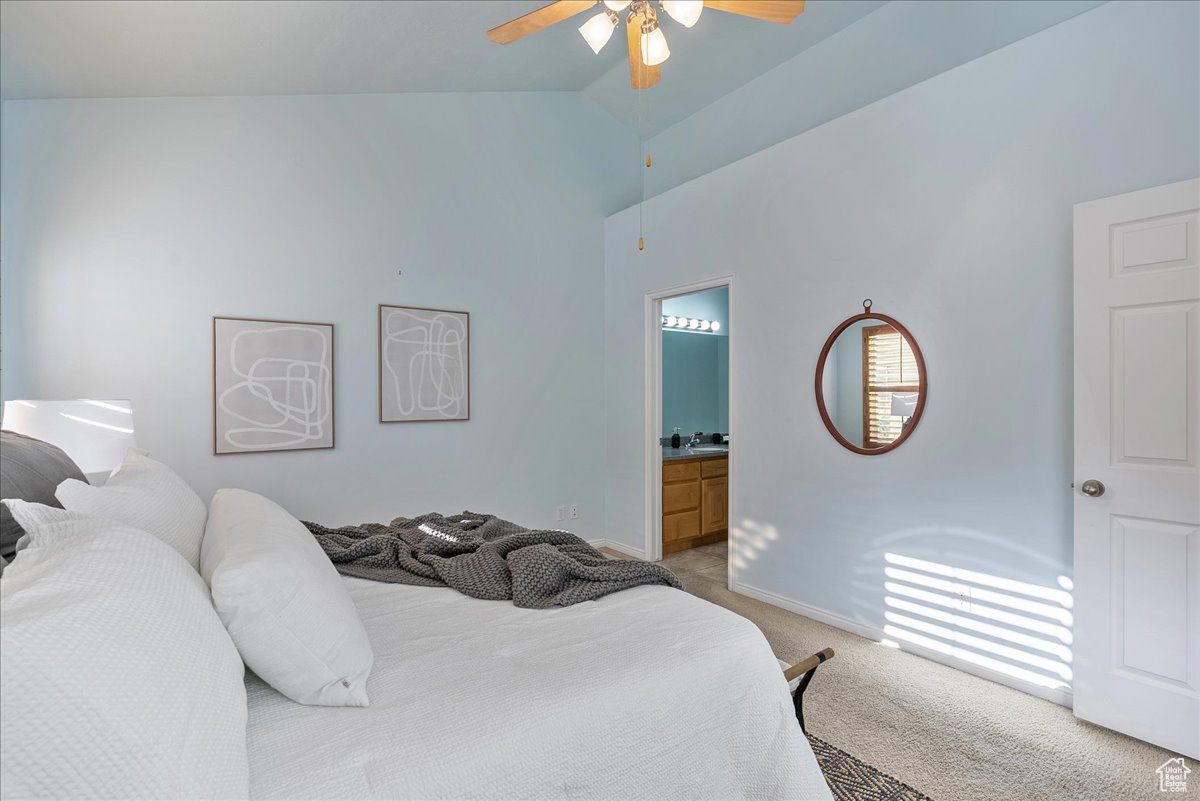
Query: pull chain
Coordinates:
[641,149]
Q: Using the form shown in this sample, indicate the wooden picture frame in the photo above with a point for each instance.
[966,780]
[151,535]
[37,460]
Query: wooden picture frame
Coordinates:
[274,392]
[424,364]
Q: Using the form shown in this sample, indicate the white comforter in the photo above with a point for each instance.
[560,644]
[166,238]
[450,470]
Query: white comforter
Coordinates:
[650,693]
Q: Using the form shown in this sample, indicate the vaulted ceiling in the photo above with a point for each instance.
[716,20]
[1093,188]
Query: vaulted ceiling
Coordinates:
[151,48]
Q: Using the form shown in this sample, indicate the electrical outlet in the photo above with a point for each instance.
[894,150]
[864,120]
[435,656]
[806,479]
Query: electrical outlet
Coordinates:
[573,511]
[560,513]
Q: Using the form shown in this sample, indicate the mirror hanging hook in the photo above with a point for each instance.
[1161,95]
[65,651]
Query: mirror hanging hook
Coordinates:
[867,306]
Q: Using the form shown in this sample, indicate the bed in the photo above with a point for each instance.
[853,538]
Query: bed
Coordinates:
[647,693]
[124,677]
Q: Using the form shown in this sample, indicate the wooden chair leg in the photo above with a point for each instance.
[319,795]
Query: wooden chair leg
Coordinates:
[805,668]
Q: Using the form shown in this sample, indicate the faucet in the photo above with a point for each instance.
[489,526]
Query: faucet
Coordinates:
[695,440]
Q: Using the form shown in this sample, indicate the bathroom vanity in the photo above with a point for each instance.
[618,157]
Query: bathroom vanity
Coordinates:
[695,497]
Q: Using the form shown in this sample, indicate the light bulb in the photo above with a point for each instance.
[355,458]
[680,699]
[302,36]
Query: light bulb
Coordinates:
[704,325]
[693,323]
[681,323]
[617,5]
[672,320]
[685,12]
[716,326]
[598,30]
[654,47]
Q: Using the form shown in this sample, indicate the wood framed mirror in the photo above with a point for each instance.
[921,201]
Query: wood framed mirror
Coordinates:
[871,384]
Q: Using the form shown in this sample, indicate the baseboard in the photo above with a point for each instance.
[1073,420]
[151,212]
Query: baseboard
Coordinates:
[619,547]
[1059,696]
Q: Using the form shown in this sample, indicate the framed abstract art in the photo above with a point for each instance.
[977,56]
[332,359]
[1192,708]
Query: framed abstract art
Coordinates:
[272,385]
[424,364]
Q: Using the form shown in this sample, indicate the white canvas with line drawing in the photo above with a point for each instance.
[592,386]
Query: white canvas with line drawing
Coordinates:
[424,364]
[272,385]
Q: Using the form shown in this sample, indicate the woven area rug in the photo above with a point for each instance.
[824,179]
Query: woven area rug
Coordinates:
[851,779]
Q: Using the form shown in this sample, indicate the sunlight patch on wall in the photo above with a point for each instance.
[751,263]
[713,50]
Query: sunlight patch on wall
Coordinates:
[750,540]
[1013,627]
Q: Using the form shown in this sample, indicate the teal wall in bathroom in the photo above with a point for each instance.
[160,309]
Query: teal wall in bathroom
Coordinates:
[723,377]
[695,383]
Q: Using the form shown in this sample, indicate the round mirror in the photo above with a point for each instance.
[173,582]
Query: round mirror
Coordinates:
[871,383]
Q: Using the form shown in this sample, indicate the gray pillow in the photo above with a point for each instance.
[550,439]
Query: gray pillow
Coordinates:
[30,470]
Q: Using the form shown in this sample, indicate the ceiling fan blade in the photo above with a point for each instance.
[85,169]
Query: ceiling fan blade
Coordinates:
[781,11]
[640,76]
[534,21]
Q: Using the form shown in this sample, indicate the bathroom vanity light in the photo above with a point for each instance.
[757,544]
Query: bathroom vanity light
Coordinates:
[690,324]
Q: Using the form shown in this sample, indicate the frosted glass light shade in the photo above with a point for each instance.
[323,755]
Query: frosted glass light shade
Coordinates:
[95,434]
[685,12]
[598,30]
[690,324]
[617,5]
[654,48]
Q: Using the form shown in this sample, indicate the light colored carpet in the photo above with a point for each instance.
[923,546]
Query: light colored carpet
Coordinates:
[951,735]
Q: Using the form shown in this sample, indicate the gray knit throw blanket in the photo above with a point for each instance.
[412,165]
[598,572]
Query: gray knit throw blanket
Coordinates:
[484,557]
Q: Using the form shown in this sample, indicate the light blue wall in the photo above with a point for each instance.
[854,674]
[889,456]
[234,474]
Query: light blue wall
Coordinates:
[128,223]
[894,47]
[950,204]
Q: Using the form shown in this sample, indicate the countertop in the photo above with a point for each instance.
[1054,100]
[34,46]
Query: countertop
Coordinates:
[670,454]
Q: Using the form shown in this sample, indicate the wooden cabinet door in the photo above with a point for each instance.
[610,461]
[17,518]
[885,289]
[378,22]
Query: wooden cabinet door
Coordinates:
[714,505]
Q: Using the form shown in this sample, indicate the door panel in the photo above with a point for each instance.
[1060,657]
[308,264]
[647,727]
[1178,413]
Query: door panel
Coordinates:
[1151,576]
[1137,431]
[1162,243]
[1153,398]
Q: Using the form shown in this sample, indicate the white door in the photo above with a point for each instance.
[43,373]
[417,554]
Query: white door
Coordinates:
[1137,445]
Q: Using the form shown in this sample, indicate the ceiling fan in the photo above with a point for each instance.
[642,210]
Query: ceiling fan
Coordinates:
[647,45]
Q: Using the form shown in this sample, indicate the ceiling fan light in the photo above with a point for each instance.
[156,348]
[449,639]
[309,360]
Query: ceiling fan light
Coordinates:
[654,47]
[685,12]
[598,30]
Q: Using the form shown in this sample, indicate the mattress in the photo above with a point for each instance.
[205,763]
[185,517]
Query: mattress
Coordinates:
[650,693]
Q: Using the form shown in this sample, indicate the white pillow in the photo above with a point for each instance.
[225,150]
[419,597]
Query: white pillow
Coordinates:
[117,678]
[283,602]
[147,495]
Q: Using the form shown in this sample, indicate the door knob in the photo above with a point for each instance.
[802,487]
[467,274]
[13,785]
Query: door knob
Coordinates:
[1092,488]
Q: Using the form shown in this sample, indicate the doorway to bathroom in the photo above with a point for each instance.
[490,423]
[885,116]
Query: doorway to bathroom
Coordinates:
[689,414]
